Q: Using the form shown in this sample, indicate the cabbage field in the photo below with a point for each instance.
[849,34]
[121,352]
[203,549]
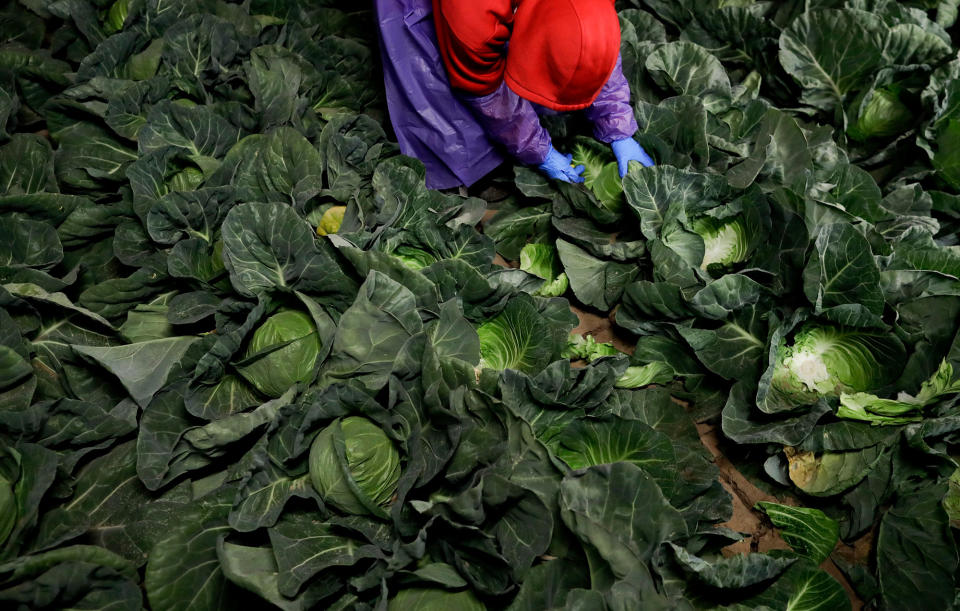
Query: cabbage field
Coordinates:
[249,361]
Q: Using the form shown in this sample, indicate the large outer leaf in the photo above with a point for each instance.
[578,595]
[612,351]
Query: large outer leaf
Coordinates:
[352,147]
[842,278]
[779,150]
[26,166]
[170,443]
[230,395]
[269,246]
[112,507]
[947,158]
[651,192]
[595,282]
[89,155]
[739,571]
[275,75]
[372,331]
[808,531]
[620,511]
[513,226]
[28,243]
[305,546]
[832,52]
[265,494]
[735,349]
[695,473]
[34,292]
[453,336]
[688,69]
[34,469]
[184,571]
[14,369]
[523,525]
[196,45]
[916,553]
[744,424]
[189,214]
[142,368]
[680,123]
[197,130]
[255,569]
[910,44]
[587,443]
[282,166]
[803,587]
[75,577]
[547,585]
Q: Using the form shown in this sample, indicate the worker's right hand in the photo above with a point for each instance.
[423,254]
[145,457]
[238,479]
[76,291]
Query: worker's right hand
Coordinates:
[558,167]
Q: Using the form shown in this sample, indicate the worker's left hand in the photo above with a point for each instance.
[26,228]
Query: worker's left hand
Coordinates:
[627,150]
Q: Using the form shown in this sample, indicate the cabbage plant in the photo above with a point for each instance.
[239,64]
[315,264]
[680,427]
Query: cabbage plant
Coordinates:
[282,352]
[354,466]
[826,361]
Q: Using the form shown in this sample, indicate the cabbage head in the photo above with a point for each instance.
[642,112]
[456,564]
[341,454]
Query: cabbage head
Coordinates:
[826,361]
[286,346]
[354,466]
[432,599]
[8,508]
[725,241]
[884,116]
[331,220]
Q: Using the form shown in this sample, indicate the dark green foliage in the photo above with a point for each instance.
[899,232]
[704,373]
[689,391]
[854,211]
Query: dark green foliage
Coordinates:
[214,264]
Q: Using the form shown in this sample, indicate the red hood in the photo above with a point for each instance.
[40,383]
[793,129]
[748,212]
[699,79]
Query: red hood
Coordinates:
[562,52]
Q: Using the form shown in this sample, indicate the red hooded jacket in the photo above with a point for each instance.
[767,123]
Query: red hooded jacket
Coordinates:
[561,52]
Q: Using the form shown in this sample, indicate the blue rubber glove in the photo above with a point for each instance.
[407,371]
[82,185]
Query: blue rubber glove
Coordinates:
[558,167]
[628,150]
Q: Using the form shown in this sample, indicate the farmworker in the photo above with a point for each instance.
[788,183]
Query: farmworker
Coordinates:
[466,81]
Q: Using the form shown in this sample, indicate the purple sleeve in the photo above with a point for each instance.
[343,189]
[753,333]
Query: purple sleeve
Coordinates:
[513,122]
[611,112]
